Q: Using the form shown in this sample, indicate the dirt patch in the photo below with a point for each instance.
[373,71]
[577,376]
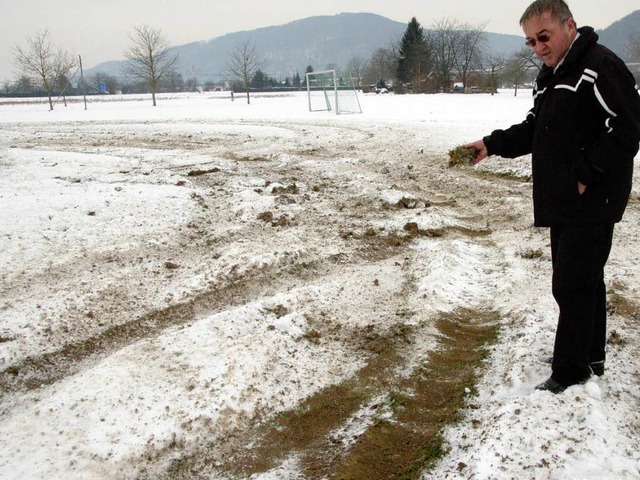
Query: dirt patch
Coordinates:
[407,413]
[290,189]
[197,172]
[247,158]
[503,175]
[430,399]
[324,223]
[618,302]
[36,371]
[530,253]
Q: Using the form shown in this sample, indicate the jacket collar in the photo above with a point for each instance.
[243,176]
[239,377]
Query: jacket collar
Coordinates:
[565,55]
[586,39]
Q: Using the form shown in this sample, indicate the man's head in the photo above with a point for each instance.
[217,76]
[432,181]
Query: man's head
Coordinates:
[550,29]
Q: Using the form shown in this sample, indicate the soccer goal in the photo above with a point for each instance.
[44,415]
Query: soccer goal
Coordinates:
[326,92]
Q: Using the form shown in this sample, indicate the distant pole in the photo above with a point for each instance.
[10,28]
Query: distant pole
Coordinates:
[308,90]
[84,93]
[335,92]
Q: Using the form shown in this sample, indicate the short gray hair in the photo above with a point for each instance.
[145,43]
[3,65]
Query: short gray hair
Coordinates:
[557,8]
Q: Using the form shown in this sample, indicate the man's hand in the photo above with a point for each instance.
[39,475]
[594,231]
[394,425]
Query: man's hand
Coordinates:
[480,148]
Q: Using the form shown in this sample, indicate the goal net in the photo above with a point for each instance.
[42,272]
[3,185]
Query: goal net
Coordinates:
[326,92]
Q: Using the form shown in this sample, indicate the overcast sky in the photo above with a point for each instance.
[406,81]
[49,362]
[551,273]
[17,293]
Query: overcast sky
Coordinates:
[98,30]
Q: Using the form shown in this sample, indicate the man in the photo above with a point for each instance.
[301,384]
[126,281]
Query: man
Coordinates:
[583,133]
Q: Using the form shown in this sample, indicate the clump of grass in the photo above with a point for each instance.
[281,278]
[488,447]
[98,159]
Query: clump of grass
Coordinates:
[397,400]
[462,156]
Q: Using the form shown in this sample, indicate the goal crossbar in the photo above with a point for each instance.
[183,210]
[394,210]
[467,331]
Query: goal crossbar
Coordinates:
[325,93]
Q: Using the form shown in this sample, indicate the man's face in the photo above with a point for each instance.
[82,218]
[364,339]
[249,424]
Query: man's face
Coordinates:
[551,37]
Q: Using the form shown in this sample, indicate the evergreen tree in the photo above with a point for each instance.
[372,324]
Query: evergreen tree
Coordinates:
[414,57]
[259,80]
[309,69]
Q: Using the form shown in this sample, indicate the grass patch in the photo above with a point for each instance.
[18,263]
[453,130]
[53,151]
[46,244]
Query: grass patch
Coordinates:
[398,445]
[306,428]
[404,448]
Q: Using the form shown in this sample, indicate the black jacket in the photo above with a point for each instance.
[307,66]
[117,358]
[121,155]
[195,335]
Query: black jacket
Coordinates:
[584,126]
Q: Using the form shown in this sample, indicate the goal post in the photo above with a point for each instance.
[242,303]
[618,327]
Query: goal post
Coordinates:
[320,87]
[326,92]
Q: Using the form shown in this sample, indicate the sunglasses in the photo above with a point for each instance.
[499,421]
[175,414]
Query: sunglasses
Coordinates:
[542,38]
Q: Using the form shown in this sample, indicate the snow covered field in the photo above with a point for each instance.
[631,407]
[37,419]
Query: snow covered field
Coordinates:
[173,277]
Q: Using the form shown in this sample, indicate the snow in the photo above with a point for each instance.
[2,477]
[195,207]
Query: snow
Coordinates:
[100,224]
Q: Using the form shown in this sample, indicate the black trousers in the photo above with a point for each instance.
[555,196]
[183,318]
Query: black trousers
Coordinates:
[579,254]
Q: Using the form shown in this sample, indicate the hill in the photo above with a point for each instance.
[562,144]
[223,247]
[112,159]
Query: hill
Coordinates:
[330,40]
[616,36]
[288,49]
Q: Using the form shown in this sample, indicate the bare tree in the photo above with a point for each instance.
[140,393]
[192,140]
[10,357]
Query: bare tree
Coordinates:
[529,59]
[355,70]
[150,59]
[243,63]
[382,66]
[515,72]
[522,66]
[471,42]
[101,82]
[23,85]
[43,63]
[191,84]
[494,64]
[445,41]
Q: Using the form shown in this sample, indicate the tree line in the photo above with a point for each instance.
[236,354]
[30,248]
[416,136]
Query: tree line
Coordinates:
[449,56]
[45,69]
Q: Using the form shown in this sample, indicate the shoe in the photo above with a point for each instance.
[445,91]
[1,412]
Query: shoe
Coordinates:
[596,367]
[552,386]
